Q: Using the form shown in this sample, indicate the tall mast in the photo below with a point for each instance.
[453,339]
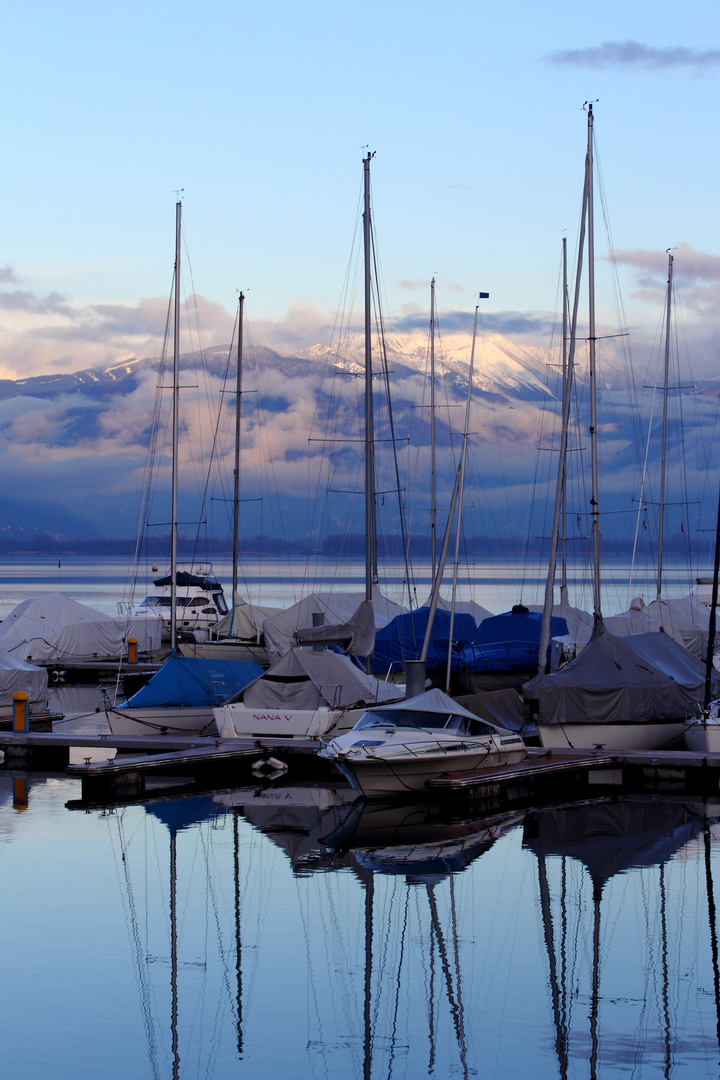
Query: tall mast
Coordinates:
[433,492]
[459,474]
[594,501]
[563,520]
[661,523]
[561,476]
[370,538]
[236,468]
[175,426]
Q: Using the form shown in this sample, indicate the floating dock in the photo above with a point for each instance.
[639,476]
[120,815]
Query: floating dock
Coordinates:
[143,762]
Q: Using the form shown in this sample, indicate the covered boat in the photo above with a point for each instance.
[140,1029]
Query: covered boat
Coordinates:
[181,696]
[304,695]
[237,636]
[394,749]
[402,639]
[504,651]
[51,628]
[625,692]
[18,675]
[326,609]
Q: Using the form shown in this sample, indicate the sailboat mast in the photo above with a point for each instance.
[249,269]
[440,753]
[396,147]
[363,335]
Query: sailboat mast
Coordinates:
[175,428]
[592,339]
[546,624]
[370,539]
[663,458]
[563,520]
[236,467]
[433,492]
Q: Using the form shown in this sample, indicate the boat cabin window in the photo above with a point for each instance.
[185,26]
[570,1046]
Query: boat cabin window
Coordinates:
[464,725]
[197,601]
[156,601]
[219,599]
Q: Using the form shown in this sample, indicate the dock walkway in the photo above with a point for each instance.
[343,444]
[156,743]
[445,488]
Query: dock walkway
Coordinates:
[208,759]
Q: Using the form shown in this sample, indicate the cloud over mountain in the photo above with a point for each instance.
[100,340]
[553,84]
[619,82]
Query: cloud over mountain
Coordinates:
[634,55]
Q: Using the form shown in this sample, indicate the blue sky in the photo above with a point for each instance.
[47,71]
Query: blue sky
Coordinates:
[260,113]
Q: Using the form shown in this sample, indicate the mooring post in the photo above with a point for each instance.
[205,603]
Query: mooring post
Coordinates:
[21,717]
[132,650]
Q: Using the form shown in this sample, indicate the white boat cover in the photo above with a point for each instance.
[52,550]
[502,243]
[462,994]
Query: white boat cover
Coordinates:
[432,701]
[16,674]
[53,628]
[244,620]
[684,619]
[621,679]
[303,679]
[335,608]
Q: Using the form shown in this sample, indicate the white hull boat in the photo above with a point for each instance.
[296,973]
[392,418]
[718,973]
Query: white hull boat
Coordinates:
[196,720]
[702,734]
[649,735]
[398,748]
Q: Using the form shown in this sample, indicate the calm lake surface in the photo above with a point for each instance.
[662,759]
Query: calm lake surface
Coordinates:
[280,932]
[105,583]
[283,930]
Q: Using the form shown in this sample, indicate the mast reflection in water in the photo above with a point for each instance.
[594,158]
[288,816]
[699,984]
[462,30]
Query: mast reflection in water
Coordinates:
[290,931]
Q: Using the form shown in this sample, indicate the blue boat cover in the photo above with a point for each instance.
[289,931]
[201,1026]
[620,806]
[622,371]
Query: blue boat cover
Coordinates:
[402,639]
[195,681]
[508,642]
[181,814]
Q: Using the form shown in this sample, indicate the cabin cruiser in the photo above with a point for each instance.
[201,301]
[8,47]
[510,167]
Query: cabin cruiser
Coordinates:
[199,602]
[398,748]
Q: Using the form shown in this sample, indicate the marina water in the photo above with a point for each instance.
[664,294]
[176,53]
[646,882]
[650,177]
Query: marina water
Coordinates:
[281,929]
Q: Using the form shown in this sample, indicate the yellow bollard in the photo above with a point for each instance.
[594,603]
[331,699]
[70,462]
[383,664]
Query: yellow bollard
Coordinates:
[132,650]
[21,718]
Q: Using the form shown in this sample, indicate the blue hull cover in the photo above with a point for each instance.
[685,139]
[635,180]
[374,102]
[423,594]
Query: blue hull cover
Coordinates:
[509,642]
[194,681]
[402,639]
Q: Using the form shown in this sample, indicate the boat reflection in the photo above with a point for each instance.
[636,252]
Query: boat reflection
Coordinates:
[385,938]
[611,839]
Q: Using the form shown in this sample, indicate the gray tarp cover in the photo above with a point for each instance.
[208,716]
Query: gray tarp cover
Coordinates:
[501,708]
[303,679]
[621,680]
[357,634]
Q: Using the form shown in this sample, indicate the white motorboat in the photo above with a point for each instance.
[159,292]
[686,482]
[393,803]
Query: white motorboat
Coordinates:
[398,748]
[199,602]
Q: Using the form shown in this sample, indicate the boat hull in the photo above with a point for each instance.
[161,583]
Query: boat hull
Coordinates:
[172,721]
[376,776]
[703,738]
[652,735]
[235,721]
[225,649]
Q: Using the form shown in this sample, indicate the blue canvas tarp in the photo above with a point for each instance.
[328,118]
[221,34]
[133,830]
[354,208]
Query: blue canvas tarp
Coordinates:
[402,639]
[193,681]
[508,642]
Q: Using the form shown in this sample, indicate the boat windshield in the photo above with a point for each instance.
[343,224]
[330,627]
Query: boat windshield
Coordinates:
[414,718]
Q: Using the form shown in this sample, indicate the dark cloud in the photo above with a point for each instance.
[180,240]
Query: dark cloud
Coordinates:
[500,322]
[8,275]
[634,55]
[25,300]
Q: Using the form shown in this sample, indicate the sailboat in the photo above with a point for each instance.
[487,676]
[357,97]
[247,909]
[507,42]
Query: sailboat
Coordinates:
[626,692]
[180,697]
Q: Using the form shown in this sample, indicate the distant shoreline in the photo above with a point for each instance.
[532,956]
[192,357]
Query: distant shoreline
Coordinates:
[477,547]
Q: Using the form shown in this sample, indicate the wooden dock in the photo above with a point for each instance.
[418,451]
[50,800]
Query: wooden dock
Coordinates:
[207,760]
